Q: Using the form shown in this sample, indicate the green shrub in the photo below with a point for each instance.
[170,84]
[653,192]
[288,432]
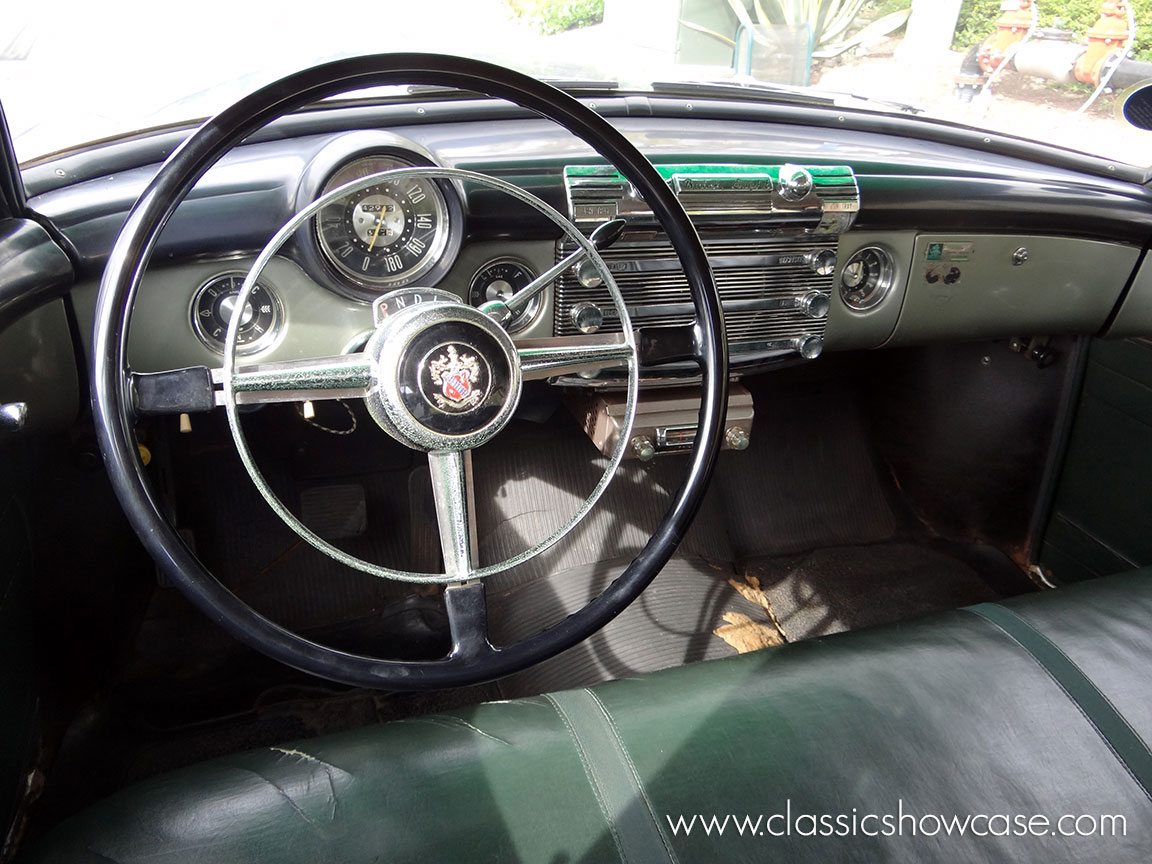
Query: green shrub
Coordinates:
[978,21]
[556,16]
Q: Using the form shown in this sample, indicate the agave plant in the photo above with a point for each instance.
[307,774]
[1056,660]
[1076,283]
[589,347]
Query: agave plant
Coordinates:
[826,19]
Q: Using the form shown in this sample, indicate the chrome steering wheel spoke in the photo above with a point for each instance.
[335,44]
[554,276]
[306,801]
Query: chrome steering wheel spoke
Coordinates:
[568,355]
[503,312]
[339,377]
[451,472]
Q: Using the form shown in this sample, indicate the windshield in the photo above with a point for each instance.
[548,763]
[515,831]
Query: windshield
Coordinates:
[1052,70]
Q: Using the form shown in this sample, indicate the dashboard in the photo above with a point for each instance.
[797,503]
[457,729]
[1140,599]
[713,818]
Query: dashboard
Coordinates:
[839,240]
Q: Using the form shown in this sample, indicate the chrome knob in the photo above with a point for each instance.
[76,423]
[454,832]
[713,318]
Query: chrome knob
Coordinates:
[814,304]
[823,263]
[809,346]
[587,275]
[13,416]
[736,438]
[587,317]
[643,447]
[795,183]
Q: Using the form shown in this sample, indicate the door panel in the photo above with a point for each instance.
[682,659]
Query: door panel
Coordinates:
[1101,520]
[19,724]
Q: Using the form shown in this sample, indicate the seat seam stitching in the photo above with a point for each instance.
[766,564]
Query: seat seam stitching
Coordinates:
[591,776]
[1026,623]
[1071,699]
[634,773]
[1079,708]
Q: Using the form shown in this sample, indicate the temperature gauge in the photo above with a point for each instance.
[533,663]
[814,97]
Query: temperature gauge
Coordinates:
[214,304]
[499,279]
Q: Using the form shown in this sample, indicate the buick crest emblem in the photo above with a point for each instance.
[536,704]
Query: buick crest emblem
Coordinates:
[460,380]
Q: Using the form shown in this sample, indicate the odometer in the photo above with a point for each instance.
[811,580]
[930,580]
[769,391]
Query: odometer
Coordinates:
[387,235]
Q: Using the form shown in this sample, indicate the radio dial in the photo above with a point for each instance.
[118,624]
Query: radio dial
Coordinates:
[823,263]
[587,317]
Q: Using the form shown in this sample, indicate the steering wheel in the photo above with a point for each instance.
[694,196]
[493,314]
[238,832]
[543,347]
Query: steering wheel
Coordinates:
[441,377]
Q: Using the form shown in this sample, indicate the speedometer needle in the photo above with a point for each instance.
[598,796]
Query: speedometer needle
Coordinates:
[376,233]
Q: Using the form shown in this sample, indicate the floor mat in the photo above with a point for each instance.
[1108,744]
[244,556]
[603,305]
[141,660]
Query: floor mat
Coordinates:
[672,623]
[810,479]
[700,610]
[843,588]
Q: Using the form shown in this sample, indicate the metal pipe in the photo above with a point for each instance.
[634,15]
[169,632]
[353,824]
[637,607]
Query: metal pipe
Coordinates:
[1042,58]
[1130,72]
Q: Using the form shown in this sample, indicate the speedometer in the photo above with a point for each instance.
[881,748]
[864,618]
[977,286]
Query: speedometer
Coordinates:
[387,235]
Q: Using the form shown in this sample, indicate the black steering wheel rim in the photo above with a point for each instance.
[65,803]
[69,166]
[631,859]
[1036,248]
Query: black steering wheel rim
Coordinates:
[469,663]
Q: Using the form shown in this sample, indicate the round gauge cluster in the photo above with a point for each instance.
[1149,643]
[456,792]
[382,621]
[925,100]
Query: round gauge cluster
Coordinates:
[499,279]
[214,304]
[866,278]
[387,235]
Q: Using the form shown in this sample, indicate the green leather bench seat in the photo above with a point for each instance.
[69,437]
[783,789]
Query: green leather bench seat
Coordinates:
[1039,707]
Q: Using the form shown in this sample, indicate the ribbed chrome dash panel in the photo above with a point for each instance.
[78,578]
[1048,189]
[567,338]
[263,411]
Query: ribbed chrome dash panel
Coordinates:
[770,232]
[645,292]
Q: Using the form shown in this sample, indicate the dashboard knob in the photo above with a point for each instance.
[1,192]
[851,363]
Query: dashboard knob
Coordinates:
[795,183]
[13,415]
[823,263]
[736,438]
[809,346]
[643,447]
[814,304]
[587,317]
[587,275]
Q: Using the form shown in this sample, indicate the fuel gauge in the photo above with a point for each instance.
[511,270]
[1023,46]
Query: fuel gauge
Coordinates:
[499,279]
[214,304]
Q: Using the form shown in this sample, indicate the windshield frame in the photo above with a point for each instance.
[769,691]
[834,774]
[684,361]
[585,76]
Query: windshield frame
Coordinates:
[140,148]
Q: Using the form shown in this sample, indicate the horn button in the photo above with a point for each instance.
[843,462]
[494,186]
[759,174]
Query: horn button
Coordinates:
[447,376]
